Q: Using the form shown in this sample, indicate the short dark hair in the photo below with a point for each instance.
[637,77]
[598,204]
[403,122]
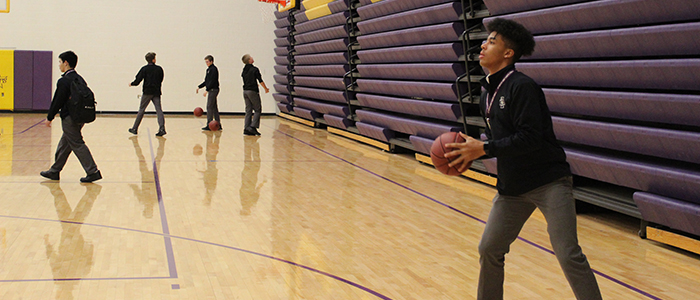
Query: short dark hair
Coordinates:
[70,57]
[150,56]
[246,59]
[515,35]
[209,58]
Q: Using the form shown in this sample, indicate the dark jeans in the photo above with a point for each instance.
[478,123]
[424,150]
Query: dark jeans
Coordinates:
[72,141]
[213,106]
[252,103]
[145,100]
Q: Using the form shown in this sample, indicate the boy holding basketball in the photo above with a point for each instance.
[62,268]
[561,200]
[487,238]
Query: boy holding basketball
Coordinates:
[211,83]
[251,95]
[532,168]
[152,76]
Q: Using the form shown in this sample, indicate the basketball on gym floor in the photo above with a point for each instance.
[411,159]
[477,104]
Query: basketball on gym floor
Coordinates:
[214,125]
[438,150]
[198,112]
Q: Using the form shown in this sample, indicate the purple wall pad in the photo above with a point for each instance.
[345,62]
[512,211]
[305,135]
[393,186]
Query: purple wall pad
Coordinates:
[663,143]
[306,114]
[431,109]
[338,122]
[448,12]
[660,108]
[375,132]
[43,83]
[407,125]
[24,78]
[673,213]
[675,182]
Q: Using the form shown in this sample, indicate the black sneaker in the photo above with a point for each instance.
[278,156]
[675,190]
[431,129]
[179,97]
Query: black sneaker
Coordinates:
[206,128]
[134,131]
[255,131]
[160,133]
[248,132]
[50,175]
[92,177]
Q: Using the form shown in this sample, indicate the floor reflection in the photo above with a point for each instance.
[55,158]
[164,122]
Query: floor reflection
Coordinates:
[250,189]
[210,175]
[73,257]
[146,193]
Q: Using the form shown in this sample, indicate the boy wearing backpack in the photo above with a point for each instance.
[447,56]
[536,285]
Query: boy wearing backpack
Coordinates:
[72,139]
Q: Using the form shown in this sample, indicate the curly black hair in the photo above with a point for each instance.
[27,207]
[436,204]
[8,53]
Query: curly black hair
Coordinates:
[515,35]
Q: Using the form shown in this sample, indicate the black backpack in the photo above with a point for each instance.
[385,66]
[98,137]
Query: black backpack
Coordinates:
[81,104]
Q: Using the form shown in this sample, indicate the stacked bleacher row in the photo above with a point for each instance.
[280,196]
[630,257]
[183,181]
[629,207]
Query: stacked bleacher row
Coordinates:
[284,67]
[622,81]
[322,32]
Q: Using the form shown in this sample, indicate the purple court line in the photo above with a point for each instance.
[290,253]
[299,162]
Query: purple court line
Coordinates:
[368,290]
[35,125]
[632,288]
[163,217]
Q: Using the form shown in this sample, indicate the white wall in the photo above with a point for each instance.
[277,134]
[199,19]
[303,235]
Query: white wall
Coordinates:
[112,37]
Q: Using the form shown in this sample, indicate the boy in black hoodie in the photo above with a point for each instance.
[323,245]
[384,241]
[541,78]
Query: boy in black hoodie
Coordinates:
[251,94]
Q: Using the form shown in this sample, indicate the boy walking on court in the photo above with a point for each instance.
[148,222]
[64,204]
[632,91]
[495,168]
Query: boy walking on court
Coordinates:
[532,168]
[152,76]
[72,138]
[251,94]
[211,82]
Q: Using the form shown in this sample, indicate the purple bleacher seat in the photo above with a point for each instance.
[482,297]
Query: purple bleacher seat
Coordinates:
[281,88]
[301,17]
[427,71]
[421,144]
[663,143]
[282,70]
[670,212]
[332,83]
[338,5]
[306,113]
[322,35]
[626,42]
[659,108]
[322,107]
[449,52]
[338,122]
[281,60]
[282,32]
[433,34]
[677,74]
[499,7]
[427,129]
[443,13]
[282,14]
[336,58]
[281,51]
[431,109]
[365,2]
[605,14]
[375,132]
[675,181]
[286,108]
[282,42]
[323,22]
[321,94]
[328,70]
[282,98]
[491,165]
[282,23]
[282,79]
[427,90]
[336,45]
[388,7]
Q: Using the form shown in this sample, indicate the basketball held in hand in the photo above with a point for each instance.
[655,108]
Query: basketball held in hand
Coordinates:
[198,112]
[438,150]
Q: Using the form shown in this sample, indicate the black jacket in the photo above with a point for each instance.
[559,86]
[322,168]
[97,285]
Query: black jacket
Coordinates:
[211,80]
[152,76]
[62,94]
[251,77]
[521,134]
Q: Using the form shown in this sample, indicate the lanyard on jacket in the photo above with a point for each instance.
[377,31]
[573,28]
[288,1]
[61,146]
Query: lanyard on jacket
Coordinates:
[489,103]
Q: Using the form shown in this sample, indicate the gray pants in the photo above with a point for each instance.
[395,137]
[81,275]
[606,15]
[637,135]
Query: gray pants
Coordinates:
[213,106]
[145,100]
[72,141]
[252,103]
[509,214]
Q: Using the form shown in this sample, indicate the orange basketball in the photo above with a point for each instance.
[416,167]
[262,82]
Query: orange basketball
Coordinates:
[198,112]
[214,125]
[438,150]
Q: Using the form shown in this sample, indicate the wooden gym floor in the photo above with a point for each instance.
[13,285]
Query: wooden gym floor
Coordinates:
[297,213]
